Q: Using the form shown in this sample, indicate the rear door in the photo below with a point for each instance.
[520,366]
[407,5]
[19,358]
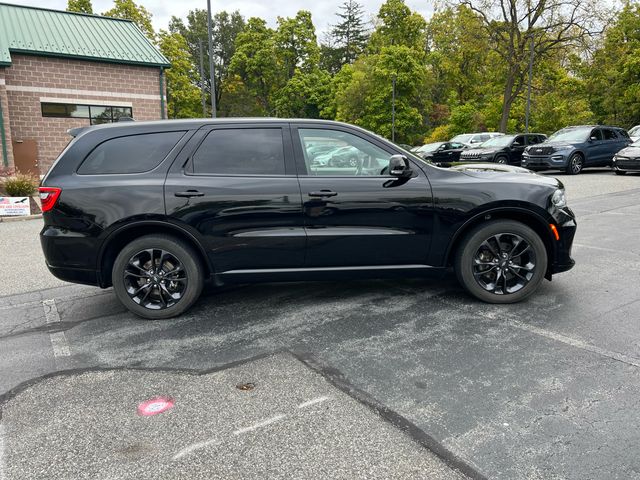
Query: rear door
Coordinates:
[236,185]
[360,215]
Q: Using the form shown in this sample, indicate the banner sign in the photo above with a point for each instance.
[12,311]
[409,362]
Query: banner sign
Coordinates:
[14,206]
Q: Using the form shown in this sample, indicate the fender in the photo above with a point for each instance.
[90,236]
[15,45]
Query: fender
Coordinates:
[531,213]
[185,230]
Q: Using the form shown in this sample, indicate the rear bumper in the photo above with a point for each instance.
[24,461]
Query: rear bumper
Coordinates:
[70,256]
[75,275]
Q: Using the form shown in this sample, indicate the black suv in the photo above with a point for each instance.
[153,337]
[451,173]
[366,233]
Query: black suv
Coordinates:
[574,148]
[506,149]
[158,208]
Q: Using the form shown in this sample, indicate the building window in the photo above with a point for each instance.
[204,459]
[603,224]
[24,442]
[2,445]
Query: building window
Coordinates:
[95,113]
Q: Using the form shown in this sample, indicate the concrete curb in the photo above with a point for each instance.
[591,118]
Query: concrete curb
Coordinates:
[20,219]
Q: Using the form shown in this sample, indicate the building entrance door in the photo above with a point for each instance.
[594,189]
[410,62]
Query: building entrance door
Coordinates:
[25,156]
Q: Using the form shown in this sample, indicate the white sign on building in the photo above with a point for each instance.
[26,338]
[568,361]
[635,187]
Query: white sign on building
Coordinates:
[14,206]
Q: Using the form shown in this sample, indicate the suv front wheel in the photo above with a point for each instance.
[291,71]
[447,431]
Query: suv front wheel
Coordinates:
[157,276]
[575,165]
[502,261]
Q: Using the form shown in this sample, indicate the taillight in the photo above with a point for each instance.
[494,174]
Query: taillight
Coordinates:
[49,197]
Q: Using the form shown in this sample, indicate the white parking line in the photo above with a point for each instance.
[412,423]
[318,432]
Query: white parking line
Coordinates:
[264,423]
[313,402]
[579,344]
[58,339]
[2,472]
[200,445]
[192,448]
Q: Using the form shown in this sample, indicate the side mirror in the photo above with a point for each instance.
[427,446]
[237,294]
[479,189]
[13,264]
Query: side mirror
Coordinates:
[593,138]
[399,166]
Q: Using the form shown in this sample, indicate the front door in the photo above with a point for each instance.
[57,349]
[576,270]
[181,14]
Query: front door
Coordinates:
[236,185]
[359,215]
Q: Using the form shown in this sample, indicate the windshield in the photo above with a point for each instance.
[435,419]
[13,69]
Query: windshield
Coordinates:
[429,147]
[635,131]
[498,141]
[636,143]
[465,138]
[573,135]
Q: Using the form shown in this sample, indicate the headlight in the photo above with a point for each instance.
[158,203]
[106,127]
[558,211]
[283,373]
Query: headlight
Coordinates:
[615,158]
[559,199]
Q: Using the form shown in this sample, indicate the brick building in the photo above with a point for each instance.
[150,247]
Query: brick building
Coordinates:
[60,70]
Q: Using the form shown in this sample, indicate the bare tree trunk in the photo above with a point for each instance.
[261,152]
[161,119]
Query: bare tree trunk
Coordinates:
[507,102]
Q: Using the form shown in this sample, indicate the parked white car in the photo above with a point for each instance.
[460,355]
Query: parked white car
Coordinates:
[475,138]
[634,133]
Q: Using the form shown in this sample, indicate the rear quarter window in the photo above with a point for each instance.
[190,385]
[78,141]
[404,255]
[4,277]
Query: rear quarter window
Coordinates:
[129,154]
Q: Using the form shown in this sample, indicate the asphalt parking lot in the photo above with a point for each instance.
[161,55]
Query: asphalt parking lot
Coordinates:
[406,378]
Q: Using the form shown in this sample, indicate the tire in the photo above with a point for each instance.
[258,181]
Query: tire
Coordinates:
[620,172]
[502,160]
[476,278]
[156,296]
[352,162]
[575,164]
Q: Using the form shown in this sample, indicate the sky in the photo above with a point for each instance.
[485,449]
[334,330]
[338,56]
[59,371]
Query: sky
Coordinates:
[323,11]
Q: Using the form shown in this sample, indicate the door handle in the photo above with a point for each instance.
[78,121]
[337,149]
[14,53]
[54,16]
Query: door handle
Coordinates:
[189,193]
[323,193]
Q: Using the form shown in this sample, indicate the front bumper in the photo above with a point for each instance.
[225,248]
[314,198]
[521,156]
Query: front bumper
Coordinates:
[561,259]
[544,162]
[627,165]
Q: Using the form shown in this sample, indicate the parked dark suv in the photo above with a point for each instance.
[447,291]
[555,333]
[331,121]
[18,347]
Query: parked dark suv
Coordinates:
[157,208]
[574,148]
[506,149]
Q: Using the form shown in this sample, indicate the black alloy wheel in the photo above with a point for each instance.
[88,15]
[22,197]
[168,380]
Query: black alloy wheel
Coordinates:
[155,279]
[502,261]
[575,165]
[501,160]
[157,276]
[352,161]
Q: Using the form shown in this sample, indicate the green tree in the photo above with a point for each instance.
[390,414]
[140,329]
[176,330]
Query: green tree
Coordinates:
[256,63]
[129,10]
[458,53]
[183,95]
[398,25]
[225,29]
[296,44]
[363,91]
[349,36]
[306,95]
[79,6]
[613,76]
[514,25]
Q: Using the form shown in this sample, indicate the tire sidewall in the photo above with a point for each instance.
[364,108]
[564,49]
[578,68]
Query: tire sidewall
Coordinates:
[470,245]
[570,170]
[182,251]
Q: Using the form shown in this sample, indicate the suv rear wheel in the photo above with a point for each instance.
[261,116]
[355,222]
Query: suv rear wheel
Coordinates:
[157,276]
[502,261]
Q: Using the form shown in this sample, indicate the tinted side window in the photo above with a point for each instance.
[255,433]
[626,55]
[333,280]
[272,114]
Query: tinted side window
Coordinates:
[623,133]
[596,133]
[130,154]
[518,141]
[609,134]
[348,154]
[240,151]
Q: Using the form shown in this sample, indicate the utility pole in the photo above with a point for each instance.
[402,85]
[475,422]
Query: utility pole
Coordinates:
[528,110]
[393,108]
[212,71]
[202,96]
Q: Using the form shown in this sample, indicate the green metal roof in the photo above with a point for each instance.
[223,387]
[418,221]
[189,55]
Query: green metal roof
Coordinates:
[57,33]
